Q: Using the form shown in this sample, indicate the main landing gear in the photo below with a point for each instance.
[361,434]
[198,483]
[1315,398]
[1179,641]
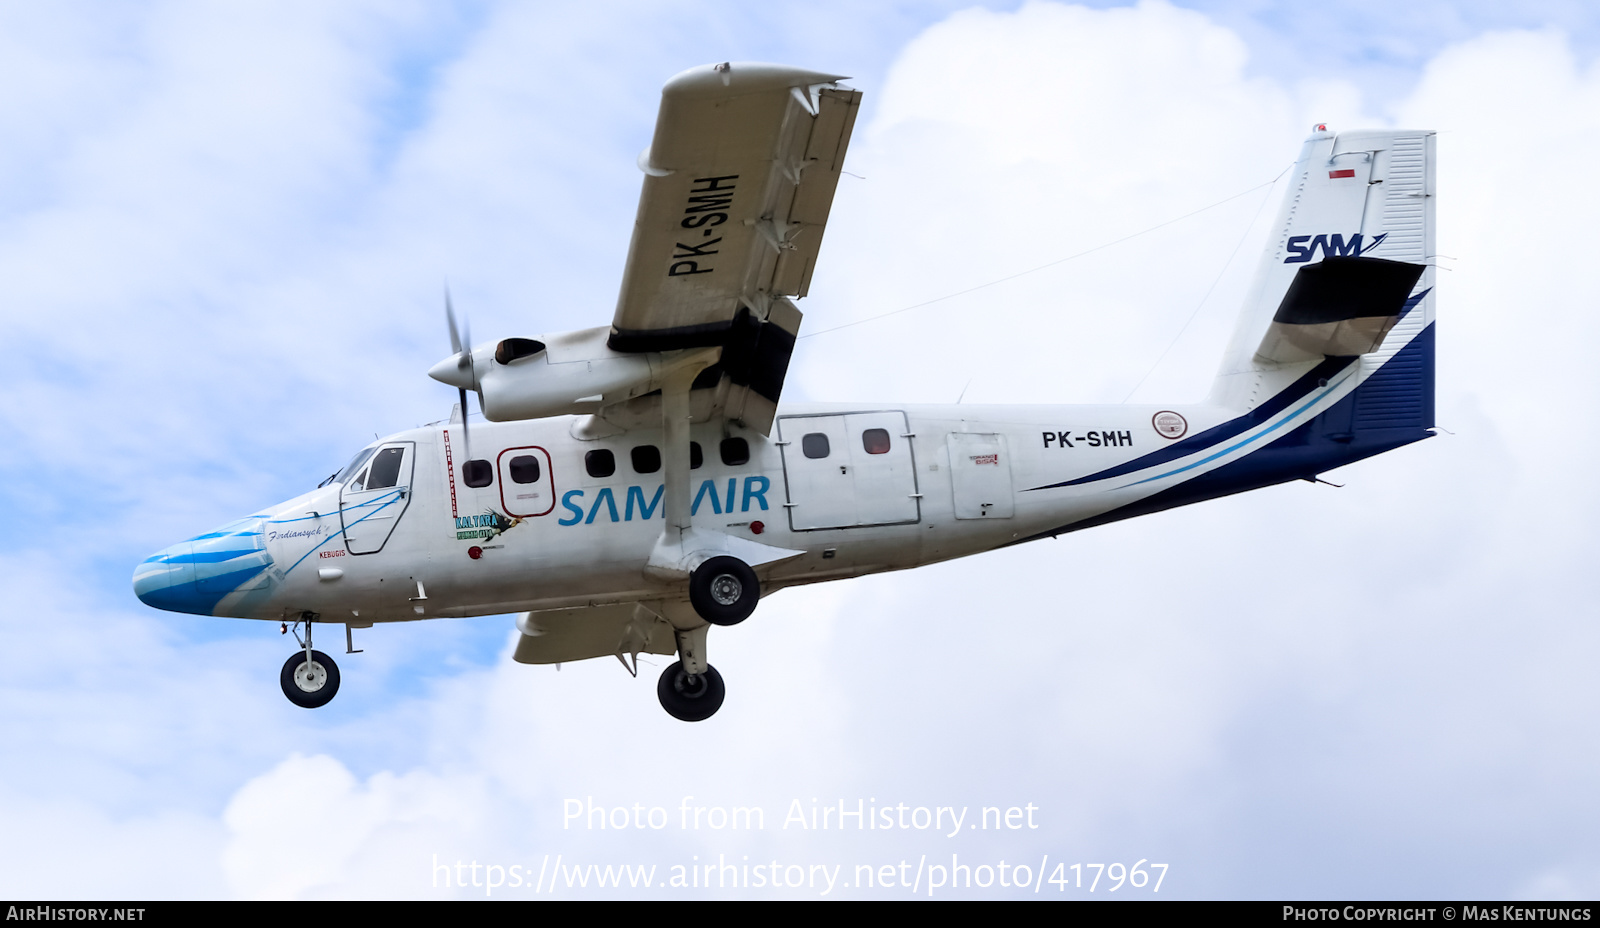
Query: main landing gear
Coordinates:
[690,697]
[310,678]
[724,590]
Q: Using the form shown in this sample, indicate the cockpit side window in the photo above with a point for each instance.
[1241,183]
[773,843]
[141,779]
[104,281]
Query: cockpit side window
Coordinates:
[386,468]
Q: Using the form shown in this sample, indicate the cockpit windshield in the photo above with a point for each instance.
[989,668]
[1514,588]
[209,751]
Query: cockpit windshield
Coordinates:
[344,473]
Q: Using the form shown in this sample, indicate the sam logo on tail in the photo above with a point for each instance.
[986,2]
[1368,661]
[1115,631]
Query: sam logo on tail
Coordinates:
[1303,248]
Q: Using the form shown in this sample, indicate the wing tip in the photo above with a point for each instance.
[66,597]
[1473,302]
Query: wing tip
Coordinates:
[743,77]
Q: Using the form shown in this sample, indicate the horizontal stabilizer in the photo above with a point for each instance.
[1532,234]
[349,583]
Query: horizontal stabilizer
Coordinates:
[1338,307]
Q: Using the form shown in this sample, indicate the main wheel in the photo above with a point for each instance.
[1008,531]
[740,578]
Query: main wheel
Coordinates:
[724,590]
[690,698]
[309,684]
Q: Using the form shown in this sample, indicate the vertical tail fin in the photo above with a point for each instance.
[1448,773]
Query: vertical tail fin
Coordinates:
[1346,272]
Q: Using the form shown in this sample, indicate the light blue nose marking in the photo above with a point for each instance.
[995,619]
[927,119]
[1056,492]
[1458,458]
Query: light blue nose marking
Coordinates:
[194,575]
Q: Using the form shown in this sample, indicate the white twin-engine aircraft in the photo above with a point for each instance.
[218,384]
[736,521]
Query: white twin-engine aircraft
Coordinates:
[640,484]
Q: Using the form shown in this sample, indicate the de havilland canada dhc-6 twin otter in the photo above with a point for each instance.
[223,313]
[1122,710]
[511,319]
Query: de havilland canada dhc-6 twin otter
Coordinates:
[639,483]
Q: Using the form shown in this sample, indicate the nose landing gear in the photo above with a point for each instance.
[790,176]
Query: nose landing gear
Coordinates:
[310,678]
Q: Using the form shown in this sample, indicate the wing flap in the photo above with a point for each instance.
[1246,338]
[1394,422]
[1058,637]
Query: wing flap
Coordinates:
[812,199]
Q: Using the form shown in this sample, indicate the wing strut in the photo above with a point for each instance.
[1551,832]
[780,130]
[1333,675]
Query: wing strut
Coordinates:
[681,548]
[667,561]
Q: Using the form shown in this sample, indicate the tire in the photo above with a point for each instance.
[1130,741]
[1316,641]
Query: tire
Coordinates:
[310,690]
[688,698]
[724,590]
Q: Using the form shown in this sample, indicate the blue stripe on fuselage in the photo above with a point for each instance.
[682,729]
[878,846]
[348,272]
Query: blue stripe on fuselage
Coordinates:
[1215,435]
[1236,426]
[1319,445]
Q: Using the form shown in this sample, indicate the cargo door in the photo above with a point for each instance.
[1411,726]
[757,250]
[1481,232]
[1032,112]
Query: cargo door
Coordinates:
[848,471]
[980,476]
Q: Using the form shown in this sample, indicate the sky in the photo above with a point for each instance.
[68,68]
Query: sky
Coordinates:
[225,235]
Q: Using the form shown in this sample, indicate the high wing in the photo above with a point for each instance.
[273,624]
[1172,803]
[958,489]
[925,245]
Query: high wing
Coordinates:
[739,180]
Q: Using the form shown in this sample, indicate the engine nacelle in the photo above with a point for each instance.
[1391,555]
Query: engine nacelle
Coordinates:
[572,373]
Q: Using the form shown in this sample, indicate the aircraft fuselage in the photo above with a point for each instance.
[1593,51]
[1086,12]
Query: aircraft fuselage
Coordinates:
[562,522]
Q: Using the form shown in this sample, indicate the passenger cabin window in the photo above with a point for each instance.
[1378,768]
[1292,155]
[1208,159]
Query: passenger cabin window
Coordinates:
[815,445]
[477,473]
[646,459]
[385,468]
[600,463]
[735,451]
[525,469]
[875,441]
[696,456]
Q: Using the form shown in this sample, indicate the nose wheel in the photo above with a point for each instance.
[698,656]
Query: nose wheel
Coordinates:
[690,697]
[309,682]
[310,678]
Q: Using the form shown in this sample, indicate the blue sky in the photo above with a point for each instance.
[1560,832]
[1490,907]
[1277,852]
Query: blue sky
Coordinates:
[225,232]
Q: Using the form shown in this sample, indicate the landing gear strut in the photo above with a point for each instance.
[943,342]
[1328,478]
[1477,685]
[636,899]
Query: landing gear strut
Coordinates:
[310,678]
[690,697]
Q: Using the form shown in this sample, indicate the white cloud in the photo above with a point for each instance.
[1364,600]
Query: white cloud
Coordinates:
[307,828]
[1010,140]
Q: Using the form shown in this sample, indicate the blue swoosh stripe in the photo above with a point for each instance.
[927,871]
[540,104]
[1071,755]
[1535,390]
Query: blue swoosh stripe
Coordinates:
[1215,435]
[1236,426]
[206,557]
[392,499]
[230,581]
[1412,302]
[1254,438]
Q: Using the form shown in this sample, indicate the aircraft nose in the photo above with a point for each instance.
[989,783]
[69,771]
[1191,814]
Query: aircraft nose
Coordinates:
[194,576]
[161,579]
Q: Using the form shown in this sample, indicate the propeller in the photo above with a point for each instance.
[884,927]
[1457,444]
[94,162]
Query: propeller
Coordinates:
[456,370]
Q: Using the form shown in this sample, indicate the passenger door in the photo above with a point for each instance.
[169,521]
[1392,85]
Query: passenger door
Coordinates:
[525,482]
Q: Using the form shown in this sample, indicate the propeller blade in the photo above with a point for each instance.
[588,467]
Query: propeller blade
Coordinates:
[450,317]
[461,344]
[456,370]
